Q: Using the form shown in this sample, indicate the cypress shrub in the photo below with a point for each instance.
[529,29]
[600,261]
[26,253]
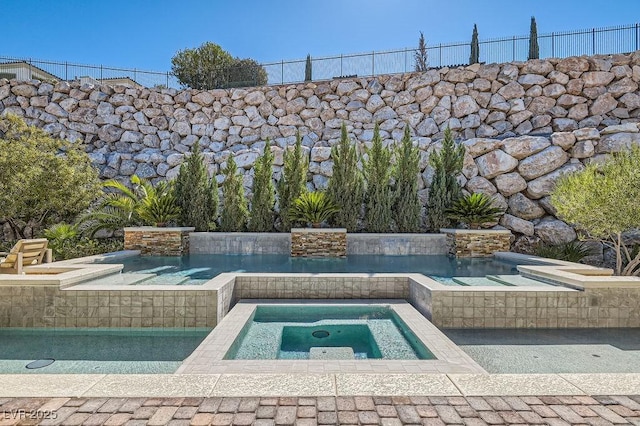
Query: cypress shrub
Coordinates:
[534,50]
[406,205]
[196,194]
[292,183]
[377,173]
[262,215]
[234,208]
[475,46]
[346,186]
[445,189]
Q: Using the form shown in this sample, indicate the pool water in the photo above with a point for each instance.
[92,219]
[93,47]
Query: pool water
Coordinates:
[327,332]
[97,350]
[197,269]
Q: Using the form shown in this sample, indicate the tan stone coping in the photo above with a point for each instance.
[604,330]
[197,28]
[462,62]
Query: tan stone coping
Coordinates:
[59,275]
[208,357]
[318,230]
[474,231]
[569,274]
[159,229]
[314,384]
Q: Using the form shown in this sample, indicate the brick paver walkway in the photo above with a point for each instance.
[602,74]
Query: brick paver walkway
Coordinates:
[472,411]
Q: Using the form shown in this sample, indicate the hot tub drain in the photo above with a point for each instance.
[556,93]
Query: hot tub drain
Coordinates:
[40,363]
[320,334]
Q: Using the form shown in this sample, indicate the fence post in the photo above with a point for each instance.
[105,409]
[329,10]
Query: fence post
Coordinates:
[513,49]
[593,39]
[440,60]
[101,78]
[405,59]
[30,70]
[282,72]
[135,77]
[167,80]
[66,71]
[553,47]
[373,63]
[637,36]
[341,65]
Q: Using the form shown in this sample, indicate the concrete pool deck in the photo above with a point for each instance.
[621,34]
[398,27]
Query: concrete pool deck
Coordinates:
[314,385]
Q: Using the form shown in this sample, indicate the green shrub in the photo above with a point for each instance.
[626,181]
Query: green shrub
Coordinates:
[406,205]
[234,207]
[377,172]
[313,208]
[346,185]
[444,189]
[83,246]
[196,193]
[573,251]
[42,180]
[262,215]
[292,182]
[60,236]
[602,201]
[474,210]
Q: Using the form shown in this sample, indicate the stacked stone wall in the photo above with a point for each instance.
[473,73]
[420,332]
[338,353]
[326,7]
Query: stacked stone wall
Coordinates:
[524,124]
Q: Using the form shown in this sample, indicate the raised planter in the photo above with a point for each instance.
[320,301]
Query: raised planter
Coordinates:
[477,242]
[318,242]
[152,241]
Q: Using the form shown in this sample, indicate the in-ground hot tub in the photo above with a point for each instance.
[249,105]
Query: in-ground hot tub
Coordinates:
[300,336]
[327,332]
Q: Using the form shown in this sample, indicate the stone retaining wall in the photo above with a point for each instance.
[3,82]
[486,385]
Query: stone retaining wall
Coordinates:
[590,107]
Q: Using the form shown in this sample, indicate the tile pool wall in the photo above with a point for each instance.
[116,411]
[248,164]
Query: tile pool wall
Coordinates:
[280,243]
[205,306]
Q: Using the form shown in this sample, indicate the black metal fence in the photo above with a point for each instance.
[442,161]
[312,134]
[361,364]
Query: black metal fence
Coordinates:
[609,40]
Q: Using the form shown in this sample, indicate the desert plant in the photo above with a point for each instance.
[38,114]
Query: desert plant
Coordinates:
[43,180]
[406,205]
[378,179]
[534,50]
[474,58]
[262,214]
[158,206]
[293,181]
[59,236]
[234,207]
[313,207]
[444,189]
[421,56]
[573,251]
[474,210]
[307,69]
[196,193]
[346,185]
[602,201]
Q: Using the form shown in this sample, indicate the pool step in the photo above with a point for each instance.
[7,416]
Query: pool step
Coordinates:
[517,280]
[166,280]
[476,281]
[324,352]
[122,279]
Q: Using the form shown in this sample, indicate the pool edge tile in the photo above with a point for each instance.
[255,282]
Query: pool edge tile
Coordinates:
[153,385]
[274,385]
[605,383]
[395,385]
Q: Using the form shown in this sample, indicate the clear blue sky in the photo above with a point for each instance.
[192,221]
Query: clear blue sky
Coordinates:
[145,34]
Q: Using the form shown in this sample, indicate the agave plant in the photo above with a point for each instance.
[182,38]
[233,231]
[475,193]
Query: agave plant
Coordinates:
[474,210]
[573,251]
[314,208]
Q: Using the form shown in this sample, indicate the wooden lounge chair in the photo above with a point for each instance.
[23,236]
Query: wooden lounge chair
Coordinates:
[25,253]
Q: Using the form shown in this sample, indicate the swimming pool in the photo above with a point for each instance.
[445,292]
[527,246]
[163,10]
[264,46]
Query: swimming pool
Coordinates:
[197,269]
[327,332]
[96,350]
